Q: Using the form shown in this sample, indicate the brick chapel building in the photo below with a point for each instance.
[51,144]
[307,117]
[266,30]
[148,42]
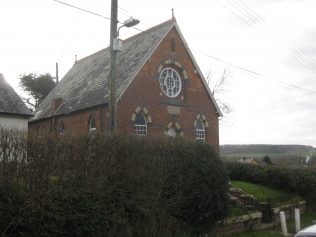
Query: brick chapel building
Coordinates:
[160,90]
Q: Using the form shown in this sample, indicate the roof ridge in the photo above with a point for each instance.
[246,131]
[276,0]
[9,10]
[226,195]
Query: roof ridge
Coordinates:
[128,39]
[151,29]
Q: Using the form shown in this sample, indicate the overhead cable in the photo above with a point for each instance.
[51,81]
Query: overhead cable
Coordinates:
[81,9]
[251,18]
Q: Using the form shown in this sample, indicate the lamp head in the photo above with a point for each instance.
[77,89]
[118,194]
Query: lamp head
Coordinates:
[131,22]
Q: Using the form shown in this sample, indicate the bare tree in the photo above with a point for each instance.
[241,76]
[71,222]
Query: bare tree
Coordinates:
[216,86]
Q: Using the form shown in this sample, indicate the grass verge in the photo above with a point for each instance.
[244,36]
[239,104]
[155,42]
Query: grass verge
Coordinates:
[259,191]
[306,220]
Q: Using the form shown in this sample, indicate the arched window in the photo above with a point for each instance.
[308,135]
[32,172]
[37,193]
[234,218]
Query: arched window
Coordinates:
[172,132]
[200,130]
[61,129]
[141,118]
[173,129]
[140,124]
[92,125]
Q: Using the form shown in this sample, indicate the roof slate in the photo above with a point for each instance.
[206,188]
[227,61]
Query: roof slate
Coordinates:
[86,83]
[10,102]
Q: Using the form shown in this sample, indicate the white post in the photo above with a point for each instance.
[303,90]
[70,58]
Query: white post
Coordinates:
[283,223]
[297,220]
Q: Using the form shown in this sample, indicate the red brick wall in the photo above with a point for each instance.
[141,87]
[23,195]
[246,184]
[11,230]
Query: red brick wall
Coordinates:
[76,123]
[145,91]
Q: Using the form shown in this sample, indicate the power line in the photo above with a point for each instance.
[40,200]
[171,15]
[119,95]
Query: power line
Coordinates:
[257,19]
[290,45]
[81,9]
[125,12]
[251,18]
[261,75]
[93,13]
[297,49]
[242,19]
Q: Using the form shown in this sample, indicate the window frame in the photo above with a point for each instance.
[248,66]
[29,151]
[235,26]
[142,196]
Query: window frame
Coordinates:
[61,129]
[141,129]
[168,87]
[200,133]
[92,130]
[172,132]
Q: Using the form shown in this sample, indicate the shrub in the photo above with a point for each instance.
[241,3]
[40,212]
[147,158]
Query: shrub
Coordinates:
[111,186]
[302,181]
[196,191]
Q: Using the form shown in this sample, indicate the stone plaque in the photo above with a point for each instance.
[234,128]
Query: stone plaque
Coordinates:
[173,109]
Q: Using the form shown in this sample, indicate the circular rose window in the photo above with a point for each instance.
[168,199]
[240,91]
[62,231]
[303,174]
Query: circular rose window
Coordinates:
[170,82]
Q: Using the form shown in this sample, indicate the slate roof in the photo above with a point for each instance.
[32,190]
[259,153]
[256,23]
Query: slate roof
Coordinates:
[10,102]
[86,83]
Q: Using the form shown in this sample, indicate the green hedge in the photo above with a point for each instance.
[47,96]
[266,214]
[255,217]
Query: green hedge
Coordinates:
[294,180]
[111,186]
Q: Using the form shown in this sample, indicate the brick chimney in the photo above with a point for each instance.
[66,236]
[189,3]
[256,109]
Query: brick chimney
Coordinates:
[55,104]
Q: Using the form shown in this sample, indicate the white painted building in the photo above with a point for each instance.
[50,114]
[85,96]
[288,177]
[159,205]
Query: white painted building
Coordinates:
[13,112]
[11,122]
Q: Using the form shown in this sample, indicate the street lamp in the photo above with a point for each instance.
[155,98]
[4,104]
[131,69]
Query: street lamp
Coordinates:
[129,22]
[117,42]
[115,47]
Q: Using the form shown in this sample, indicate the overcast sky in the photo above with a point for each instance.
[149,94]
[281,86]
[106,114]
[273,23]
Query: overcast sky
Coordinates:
[268,47]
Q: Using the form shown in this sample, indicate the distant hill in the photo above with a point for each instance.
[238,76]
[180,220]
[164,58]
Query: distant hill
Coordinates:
[289,155]
[265,149]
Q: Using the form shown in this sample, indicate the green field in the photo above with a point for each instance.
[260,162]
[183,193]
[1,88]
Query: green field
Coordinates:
[257,150]
[259,191]
[283,155]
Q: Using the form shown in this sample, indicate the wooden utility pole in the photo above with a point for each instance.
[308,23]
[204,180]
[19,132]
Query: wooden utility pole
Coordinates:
[57,76]
[113,70]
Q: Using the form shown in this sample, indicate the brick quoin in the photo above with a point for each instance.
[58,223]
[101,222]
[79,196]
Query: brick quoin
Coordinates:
[145,91]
